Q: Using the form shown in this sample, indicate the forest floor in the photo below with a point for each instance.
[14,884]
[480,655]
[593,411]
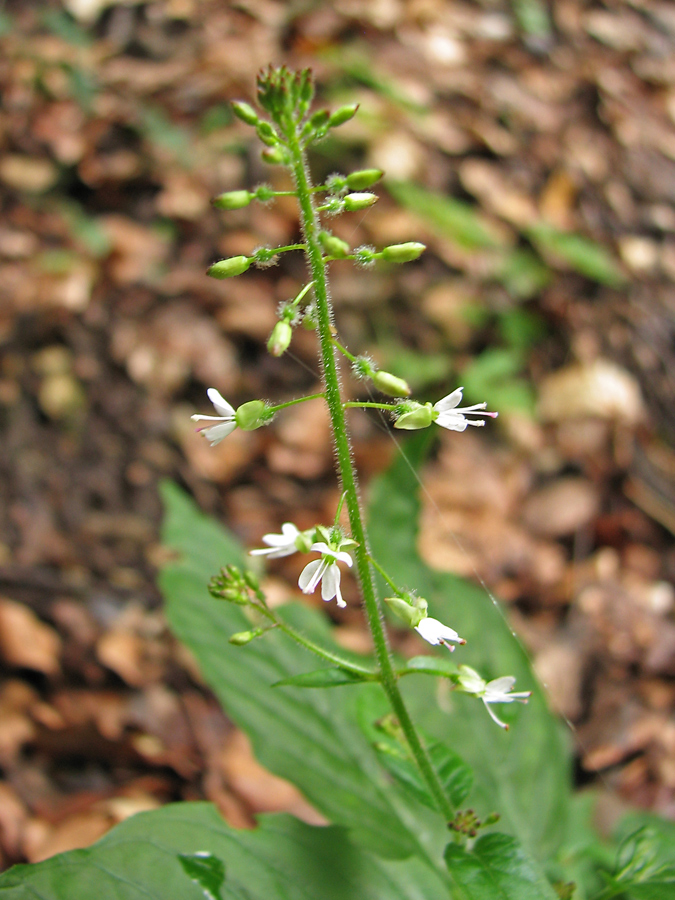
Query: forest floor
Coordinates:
[534,157]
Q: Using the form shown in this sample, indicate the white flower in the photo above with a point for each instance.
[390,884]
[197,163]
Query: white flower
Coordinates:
[436,632]
[279,545]
[326,571]
[448,415]
[226,420]
[496,691]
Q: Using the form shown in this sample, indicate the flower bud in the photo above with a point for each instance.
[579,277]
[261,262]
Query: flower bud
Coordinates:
[333,245]
[391,385]
[233,200]
[317,121]
[342,115]
[228,268]
[275,156]
[251,415]
[267,134]
[241,638]
[362,179]
[245,112]
[280,338]
[403,253]
[417,417]
[411,613]
[353,202]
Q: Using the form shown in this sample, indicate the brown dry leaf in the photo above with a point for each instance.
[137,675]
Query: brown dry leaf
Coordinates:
[13,815]
[81,830]
[31,174]
[137,251]
[561,507]
[26,641]
[599,388]
[263,791]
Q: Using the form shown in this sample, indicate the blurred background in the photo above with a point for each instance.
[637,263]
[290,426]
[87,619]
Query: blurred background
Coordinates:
[531,146]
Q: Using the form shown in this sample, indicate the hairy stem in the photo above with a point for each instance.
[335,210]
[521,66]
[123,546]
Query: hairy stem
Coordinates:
[311,228]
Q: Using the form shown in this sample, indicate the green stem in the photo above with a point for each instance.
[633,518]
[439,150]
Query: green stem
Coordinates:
[344,351]
[297,400]
[289,247]
[311,228]
[391,584]
[358,404]
[366,673]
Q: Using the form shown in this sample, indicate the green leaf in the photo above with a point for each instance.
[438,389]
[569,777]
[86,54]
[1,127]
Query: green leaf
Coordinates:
[579,253]
[523,774]
[645,864]
[523,274]
[144,858]
[454,219]
[311,738]
[321,678]
[493,374]
[454,774]
[431,665]
[496,869]
[205,870]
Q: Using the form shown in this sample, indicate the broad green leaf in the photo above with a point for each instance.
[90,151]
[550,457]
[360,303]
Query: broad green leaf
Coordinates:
[321,678]
[454,219]
[453,772]
[311,738]
[206,870]
[495,869]
[645,864]
[431,665]
[523,774]
[144,858]
[579,253]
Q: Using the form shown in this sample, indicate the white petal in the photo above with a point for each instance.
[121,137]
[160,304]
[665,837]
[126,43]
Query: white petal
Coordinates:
[220,403]
[344,557]
[500,685]
[200,418]
[435,632]
[311,576]
[452,421]
[216,434]
[274,552]
[450,401]
[321,547]
[289,531]
[330,584]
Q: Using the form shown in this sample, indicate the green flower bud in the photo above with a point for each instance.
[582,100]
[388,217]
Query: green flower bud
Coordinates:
[317,120]
[353,202]
[342,115]
[251,415]
[359,181]
[333,245]
[267,134]
[233,200]
[228,268]
[403,253]
[411,613]
[245,112]
[280,338]
[417,417]
[275,156]
[470,681]
[391,385]
[241,638]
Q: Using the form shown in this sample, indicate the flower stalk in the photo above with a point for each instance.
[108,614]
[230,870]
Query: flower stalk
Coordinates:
[324,316]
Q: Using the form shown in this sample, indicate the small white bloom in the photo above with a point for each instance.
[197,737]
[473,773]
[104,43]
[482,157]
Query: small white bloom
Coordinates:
[326,571]
[436,632]
[226,420]
[448,414]
[279,545]
[496,691]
